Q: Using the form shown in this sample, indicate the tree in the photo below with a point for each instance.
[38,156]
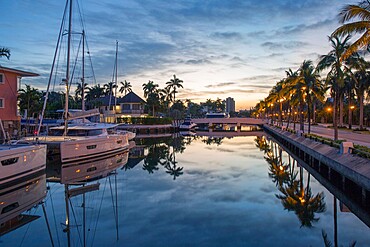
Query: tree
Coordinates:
[173,84]
[94,92]
[109,88]
[312,87]
[126,87]
[5,52]
[151,93]
[335,76]
[30,99]
[360,15]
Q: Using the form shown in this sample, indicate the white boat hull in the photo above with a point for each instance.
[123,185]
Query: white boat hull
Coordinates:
[18,162]
[92,147]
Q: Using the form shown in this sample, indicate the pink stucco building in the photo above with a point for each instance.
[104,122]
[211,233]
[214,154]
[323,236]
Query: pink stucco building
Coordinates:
[10,82]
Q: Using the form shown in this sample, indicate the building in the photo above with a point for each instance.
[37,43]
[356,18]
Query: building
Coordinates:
[10,83]
[230,105]
[131,105]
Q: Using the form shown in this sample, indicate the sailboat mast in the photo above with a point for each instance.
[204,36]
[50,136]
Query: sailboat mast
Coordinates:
[83,72]
[115,93]
[67,82]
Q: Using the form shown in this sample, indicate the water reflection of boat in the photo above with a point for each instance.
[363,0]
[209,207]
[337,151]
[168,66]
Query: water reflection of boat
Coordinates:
[19,198]
[86,171]
[82,178]
[188,124]
[20,161]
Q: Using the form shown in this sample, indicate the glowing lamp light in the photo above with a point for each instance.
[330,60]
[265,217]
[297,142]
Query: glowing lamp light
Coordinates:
[352,107]
[78,171]
[281,168]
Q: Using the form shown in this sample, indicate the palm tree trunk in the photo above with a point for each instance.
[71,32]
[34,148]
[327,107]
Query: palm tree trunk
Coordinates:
[335,118]
[314,112]
[301,120]
[290,112]
[280,113]
[341,110]
[349,112]
[361,100]
[309,113]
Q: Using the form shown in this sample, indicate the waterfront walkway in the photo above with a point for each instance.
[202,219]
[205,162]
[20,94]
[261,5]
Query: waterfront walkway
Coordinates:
[357,137]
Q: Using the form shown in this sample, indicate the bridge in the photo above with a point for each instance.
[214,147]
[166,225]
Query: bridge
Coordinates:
[230,121]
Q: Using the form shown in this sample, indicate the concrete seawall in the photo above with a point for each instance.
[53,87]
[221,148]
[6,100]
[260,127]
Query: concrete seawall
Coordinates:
[348,171]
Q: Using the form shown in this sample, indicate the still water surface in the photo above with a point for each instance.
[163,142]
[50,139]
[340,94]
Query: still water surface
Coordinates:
[192,191]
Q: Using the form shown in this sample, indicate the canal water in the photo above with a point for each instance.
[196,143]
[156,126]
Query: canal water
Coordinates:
[187,191]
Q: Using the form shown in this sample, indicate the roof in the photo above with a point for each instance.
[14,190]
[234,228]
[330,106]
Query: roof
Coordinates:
[131,97]
[105,100]
[17,71]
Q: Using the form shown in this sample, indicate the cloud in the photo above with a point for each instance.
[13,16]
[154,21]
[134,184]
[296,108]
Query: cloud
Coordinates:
[221,84]
[284,45]
[227,35]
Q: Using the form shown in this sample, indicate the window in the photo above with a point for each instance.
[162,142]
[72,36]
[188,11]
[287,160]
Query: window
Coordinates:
[1,78]
[1,102]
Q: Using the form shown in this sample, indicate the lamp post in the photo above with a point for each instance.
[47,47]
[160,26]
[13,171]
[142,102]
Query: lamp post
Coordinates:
[328,110]
[352,107]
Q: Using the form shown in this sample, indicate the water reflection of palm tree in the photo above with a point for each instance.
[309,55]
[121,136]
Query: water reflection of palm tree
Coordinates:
[155,154]
[170,164]
[300,200]
[213,140]
[262,144]
[329,244]
[279,172]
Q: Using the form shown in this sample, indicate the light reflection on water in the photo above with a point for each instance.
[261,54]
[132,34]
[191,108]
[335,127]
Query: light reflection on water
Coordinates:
[199,191]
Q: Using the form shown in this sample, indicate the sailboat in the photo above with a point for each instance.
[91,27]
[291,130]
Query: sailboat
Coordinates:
[83,140]
[19,161]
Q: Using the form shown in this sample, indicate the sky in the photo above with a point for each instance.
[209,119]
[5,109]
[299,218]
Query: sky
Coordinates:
[219,48]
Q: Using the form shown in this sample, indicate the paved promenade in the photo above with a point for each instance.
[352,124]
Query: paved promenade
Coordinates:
[349,135]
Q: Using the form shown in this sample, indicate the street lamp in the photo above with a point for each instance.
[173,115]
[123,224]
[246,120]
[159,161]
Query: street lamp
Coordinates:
[328,110]
[350,117]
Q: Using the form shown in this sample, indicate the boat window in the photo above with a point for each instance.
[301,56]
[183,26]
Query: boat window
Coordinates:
[91,169]
[94,132]
[91,147]
[9,208]
[10,161]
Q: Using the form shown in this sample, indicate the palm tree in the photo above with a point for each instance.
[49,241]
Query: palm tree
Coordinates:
[30,99]
[78,94]
[151,93]
[173,84]
[165,95]
[335,76]
[94,92]
[360,15]
[126,87]
[5,52]
[109,88]
[310,79]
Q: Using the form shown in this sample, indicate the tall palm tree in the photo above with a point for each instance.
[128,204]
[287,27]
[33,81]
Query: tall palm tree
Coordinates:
[125,87]
[109,88]
[360,15]
[165,95]
[5,52]
[151,93]
[173,84]
[335,76]
[310,79]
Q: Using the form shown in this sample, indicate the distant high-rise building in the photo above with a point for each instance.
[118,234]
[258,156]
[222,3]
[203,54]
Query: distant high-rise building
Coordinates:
[230,104]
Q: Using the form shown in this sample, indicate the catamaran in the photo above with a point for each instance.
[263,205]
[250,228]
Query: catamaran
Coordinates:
[85,140]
